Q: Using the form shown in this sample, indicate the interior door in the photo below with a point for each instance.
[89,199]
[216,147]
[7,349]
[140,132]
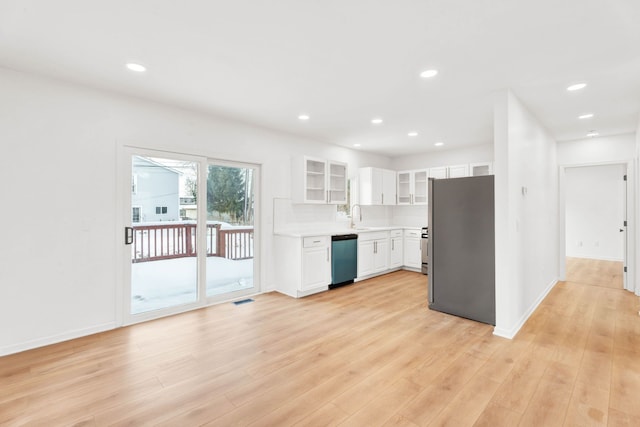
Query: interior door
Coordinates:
[624,229]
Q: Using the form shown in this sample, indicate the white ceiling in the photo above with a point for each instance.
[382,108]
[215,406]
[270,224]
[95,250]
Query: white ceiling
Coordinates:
[344,62]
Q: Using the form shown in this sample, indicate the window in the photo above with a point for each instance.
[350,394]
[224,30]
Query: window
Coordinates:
[134,183]
[161,210]
[343,211]
[135,214]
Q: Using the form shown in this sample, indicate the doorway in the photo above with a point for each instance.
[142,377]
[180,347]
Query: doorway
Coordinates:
[190,233]
[595,225]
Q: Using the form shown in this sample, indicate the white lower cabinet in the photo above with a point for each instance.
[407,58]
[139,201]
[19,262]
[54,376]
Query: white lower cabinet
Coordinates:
[395,249]
[412,249]
[304,264]
[316,262]
[373,253]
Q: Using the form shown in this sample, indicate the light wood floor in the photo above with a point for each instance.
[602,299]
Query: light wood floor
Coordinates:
[370,354]
[595,272]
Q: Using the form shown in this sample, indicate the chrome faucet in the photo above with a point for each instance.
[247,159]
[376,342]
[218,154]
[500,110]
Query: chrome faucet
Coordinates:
[353,208]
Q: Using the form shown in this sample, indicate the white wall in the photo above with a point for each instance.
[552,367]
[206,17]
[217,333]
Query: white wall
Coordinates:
[594,206]
[634,281]
[59,169]
[610,149]
[525,167]
[444,157]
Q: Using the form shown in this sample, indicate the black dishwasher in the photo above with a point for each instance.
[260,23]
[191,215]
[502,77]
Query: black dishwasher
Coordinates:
[344,259]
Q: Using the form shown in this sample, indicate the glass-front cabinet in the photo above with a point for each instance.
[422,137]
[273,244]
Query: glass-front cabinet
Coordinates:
[337,183]
[412,187]
[404,187]
[316,180]
[420,187]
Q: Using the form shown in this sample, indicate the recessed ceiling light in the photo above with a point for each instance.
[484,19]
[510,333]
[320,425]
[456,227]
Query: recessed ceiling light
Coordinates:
[412,134]
[356,145]
[592,133]
[303,117]
[577,86]
[585,116]
[138,68]
[428,74]
[439,144]
[376,121]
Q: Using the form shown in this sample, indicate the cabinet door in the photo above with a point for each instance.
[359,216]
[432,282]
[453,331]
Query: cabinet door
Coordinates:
[365,186]
[314,181]
[404,187]
[381,255]
[316,267]
[458,171]
[412,253]
[337,183]
[365,258]
[388,187]
[438,173]
[395,252]
[421,189]
[479,169]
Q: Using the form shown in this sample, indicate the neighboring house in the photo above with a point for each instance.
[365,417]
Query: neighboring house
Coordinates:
[154,191]
[188,208]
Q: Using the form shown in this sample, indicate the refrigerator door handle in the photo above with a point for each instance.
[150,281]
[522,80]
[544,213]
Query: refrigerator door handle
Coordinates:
[430,241]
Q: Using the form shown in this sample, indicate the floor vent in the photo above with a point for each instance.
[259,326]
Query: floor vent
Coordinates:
[243,301]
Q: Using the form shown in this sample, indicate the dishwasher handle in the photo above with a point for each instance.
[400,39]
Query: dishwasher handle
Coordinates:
[339,237]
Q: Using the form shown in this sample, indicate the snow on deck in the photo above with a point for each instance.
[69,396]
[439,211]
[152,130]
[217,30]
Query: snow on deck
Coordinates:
[165,283]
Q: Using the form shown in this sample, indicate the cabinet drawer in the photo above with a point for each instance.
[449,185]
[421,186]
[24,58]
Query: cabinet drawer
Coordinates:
[315,241]
[412,233]
[395,233]
[372,235]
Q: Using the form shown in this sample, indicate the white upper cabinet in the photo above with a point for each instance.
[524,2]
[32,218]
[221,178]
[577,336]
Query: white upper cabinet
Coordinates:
[439,172]
[337,182]
[377,186]
[420,187]
[388,187]
[455,171]
[412,187]
[405,187]
[317,180]
[458,171]
[478,169]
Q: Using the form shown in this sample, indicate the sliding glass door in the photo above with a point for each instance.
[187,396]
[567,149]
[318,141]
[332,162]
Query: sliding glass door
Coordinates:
[230,230]
[189,232]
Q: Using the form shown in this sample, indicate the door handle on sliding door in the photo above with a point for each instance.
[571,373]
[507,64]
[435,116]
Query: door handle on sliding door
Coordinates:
[128,235]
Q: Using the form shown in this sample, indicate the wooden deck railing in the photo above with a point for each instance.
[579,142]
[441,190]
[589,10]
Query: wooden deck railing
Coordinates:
[167,241]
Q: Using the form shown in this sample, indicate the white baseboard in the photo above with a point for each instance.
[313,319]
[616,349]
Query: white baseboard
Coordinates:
[54,339]
[511,333]
[602,258]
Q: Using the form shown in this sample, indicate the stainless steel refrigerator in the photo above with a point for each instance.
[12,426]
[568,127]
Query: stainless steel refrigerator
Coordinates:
[462,247]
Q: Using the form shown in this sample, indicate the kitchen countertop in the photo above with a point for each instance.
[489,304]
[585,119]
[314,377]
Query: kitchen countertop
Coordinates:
[338,232]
